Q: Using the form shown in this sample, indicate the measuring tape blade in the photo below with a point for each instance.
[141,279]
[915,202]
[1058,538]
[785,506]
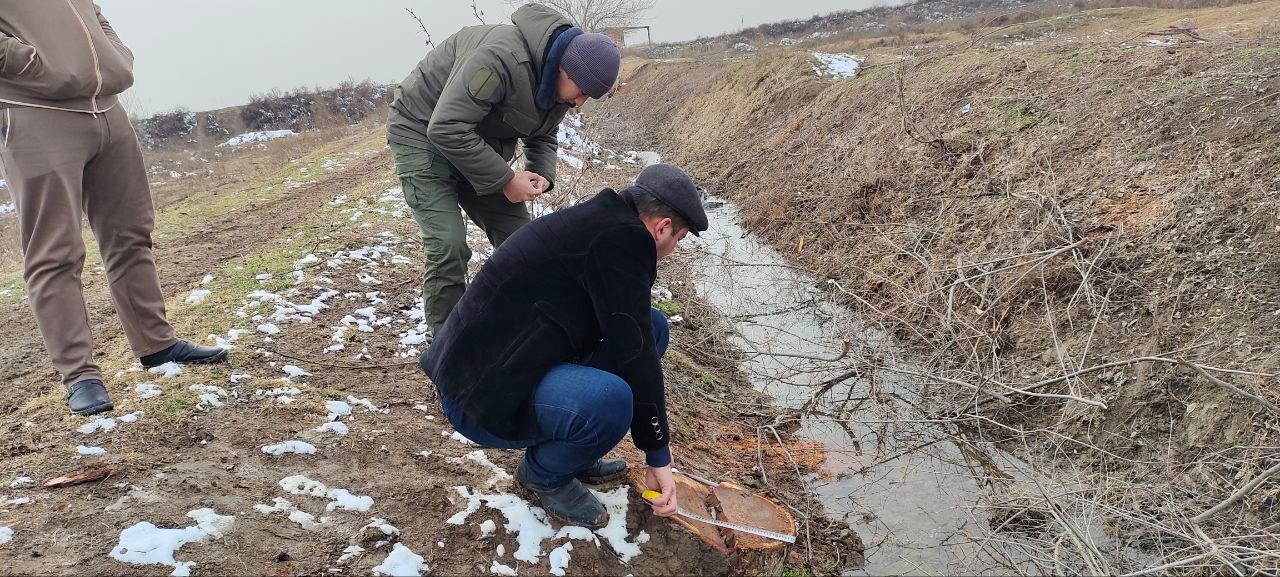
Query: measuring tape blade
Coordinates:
[737,527]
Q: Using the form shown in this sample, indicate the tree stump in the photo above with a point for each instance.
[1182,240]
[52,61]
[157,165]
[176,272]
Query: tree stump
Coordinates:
[722,551]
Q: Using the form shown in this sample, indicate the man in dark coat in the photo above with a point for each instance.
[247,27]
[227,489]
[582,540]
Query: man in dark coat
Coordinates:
[554,347]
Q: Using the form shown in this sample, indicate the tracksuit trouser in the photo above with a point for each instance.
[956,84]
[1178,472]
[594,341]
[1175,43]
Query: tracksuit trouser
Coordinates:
[62,167]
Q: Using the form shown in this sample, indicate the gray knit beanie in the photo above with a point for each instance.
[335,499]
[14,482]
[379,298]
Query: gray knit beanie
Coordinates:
[591,61]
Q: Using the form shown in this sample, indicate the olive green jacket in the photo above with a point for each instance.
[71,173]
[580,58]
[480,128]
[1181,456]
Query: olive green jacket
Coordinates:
[473,96]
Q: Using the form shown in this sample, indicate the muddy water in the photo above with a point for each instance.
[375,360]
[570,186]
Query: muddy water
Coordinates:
[911,494]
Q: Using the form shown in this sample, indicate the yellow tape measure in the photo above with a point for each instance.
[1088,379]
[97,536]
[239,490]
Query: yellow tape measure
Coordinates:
[651,495]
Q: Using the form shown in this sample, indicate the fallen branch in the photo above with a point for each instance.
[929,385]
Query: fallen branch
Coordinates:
[844,351]
[1241,493]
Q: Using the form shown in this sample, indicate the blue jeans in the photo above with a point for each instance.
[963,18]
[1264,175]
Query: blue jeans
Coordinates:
[582,413]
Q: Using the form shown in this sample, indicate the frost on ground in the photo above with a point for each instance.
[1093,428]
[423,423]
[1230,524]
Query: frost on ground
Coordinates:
[84,450]
[402,562]
[499,569]
[21,482]
[145,544]
[838,66]
[6,535]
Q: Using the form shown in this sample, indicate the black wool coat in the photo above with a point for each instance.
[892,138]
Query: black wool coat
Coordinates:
[548,295]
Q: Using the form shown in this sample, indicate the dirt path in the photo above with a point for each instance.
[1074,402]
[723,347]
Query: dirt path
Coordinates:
[182,261]
[311,267]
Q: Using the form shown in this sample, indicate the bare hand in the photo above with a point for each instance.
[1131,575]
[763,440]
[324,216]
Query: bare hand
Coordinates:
[522,188]
[660,479]
[541,183]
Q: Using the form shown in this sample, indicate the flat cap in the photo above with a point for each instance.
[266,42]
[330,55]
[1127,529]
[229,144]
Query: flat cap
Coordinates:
[673,187]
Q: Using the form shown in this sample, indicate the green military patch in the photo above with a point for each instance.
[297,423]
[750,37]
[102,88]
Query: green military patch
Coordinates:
[484,84]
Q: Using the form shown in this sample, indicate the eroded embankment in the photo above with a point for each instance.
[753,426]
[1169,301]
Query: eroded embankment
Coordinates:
[1072,213]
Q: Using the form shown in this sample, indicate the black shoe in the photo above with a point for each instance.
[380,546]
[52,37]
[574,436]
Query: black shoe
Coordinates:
[88,397]
[185,353]
[572,502]
[603,471]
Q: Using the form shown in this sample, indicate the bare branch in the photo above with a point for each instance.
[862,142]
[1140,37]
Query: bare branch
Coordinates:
[1239,494]
[430,43]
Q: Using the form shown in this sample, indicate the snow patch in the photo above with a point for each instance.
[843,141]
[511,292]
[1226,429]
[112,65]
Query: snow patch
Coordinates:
[295,371]
[167,370]
[198,296]
[615,532]
[107,424]
[402,562]
[336,427]
[337,409]
[300,447]
[500,569]
[338,498]
[838,66]
[145,544]
[148,390]
[281,505]
[559,559]
[259,136]
[210,396]
[499,479]
[459,437]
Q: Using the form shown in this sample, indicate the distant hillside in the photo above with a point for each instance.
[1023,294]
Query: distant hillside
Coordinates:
[300,109]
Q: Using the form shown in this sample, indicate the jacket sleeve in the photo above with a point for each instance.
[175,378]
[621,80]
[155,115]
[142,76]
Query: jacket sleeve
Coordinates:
[540,154]
[468,96]
[111,35]
[619,274]
[16,57]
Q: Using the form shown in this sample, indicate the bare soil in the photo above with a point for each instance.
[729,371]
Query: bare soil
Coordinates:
[255,210]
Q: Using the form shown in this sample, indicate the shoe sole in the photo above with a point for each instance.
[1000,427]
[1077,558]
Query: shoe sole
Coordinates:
[205,361]
[602,479]
[95,409]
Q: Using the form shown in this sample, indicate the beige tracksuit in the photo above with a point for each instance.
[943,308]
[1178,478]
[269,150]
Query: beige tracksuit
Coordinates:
[67,151]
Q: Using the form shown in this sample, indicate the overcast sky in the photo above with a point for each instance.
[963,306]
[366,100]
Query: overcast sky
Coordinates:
[205,54]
